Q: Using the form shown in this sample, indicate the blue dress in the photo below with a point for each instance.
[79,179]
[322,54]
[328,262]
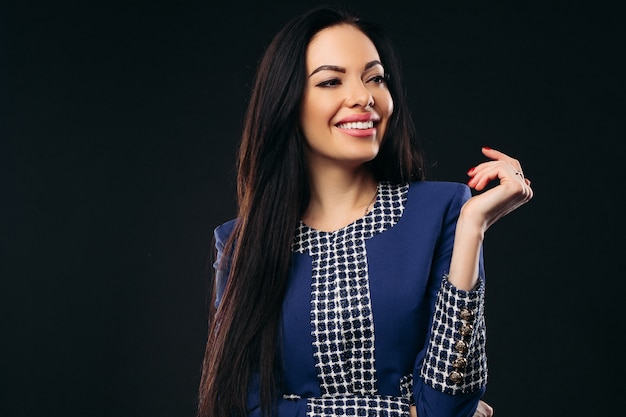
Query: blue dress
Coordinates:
[370,323]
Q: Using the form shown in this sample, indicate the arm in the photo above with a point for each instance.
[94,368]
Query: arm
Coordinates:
[483,210]
[440,372]
[450,379]
[221,265]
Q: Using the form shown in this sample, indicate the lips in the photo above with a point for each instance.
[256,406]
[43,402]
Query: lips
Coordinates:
[358,129]
[359,124]
[356,125]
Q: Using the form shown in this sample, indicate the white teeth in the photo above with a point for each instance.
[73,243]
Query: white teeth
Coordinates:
[356,125]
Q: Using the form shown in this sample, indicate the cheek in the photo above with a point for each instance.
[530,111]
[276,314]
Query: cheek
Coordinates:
[383,101]
[386,108]
[314,120]
[315,112]
[389,108]
[307,115]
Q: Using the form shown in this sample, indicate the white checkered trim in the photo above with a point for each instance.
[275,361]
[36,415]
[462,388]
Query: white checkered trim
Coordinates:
[406,388]
[372,406]
[342,325]
[448,367]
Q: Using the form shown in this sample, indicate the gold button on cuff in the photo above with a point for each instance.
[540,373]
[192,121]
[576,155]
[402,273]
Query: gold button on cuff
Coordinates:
[459,363]
[456,377]
[466,314]
[460,346]
[466,329]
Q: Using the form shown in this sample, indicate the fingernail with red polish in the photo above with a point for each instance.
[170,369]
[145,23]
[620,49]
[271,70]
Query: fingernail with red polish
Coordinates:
[487,148]
[471,170]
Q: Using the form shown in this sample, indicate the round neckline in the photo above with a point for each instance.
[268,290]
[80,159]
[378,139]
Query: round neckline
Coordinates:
[373,207]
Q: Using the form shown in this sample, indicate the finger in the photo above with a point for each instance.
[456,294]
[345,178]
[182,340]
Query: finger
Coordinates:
[501,156]
[489,171]
[528,190]
[507,178]
[482,176]
[482,168]
[483,410]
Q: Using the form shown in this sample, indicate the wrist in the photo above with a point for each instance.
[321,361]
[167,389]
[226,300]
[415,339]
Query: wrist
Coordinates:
[468,240]
[470,228]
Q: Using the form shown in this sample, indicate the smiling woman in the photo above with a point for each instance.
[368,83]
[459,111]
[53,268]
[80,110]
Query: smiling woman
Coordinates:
[350,96]
[345,111]
[347,284]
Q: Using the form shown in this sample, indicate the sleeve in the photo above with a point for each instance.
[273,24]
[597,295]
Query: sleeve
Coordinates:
[285,407]
[221,266]
[450,372]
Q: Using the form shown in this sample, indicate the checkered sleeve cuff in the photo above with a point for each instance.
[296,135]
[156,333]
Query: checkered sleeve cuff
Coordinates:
[455,361]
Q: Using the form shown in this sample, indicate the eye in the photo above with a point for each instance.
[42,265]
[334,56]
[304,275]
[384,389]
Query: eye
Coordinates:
[378,79]
[333,82]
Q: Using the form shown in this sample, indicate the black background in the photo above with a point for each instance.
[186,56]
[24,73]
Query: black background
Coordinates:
[120,124]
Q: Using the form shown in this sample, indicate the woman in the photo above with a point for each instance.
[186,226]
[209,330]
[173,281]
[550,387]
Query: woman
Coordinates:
[347,284]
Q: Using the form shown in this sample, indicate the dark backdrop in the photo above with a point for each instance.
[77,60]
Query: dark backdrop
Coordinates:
[119,130]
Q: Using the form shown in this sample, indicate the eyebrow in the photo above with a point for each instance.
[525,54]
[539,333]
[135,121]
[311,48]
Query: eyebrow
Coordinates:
[342,69]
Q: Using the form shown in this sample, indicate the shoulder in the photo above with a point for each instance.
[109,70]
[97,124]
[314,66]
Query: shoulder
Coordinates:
[223,231]
[439,192]
[438,187]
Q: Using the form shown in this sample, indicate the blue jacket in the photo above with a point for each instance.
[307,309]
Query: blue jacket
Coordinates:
[370,324]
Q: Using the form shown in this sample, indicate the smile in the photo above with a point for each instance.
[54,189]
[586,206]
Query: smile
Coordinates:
[356,125]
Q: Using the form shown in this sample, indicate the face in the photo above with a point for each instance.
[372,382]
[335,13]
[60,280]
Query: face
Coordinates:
[345,77]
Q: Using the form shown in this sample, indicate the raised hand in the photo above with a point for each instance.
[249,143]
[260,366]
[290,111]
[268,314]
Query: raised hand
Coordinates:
[484,209]
[512,191]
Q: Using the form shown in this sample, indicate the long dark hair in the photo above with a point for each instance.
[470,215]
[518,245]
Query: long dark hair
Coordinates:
[273,191]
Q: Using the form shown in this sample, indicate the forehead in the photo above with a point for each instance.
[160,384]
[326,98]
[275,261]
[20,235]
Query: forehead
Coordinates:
[342,45]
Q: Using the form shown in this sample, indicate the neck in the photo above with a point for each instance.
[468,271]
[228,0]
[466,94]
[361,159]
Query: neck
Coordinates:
[339,197]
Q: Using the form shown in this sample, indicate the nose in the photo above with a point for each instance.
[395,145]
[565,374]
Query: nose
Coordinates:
[359,95]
